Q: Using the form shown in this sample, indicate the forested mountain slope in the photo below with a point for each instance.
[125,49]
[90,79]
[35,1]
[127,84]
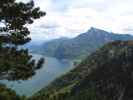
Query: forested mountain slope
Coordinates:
[104,75]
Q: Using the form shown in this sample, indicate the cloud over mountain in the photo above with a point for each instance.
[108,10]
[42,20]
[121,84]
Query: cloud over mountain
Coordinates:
[75,16]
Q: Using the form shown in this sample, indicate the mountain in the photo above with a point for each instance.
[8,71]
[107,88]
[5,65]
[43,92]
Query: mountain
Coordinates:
[107,74]
[80,46]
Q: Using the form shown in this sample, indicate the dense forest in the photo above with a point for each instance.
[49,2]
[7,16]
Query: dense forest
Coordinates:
[105,75]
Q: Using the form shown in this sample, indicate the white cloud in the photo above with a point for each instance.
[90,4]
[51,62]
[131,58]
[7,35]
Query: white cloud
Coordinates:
[71,17]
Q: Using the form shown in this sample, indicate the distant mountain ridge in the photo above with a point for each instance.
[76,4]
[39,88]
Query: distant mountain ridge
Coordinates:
[80,46]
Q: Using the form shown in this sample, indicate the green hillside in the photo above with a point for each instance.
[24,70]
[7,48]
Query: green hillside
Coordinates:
[105,75]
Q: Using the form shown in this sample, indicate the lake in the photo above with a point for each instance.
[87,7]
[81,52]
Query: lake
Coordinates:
[52,68]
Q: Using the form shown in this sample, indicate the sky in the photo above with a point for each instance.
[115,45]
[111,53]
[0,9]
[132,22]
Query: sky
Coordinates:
[72,17]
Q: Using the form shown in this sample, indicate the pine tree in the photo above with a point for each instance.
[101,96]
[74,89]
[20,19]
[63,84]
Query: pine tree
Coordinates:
[16,63]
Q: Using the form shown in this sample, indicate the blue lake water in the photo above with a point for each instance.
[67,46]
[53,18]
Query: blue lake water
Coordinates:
[52,69]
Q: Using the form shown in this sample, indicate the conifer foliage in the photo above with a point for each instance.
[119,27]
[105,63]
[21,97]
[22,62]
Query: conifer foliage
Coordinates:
[16,63]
